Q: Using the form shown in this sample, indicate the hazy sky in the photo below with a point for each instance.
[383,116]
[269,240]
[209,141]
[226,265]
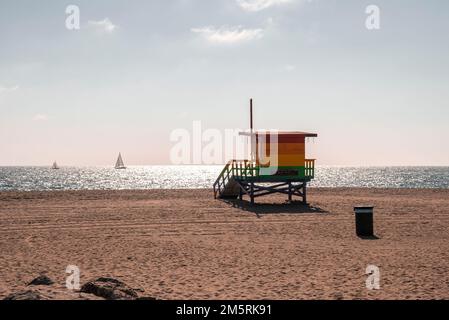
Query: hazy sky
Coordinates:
[136,70]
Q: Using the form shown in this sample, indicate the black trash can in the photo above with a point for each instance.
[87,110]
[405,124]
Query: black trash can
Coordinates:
[364,221]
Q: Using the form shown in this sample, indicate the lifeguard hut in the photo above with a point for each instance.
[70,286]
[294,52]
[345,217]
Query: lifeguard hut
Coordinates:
[278,164]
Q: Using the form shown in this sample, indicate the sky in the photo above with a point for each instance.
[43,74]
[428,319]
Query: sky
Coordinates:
[135,71]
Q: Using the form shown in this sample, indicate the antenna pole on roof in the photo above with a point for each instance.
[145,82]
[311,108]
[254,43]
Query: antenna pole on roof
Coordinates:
[252,138]
[251,115]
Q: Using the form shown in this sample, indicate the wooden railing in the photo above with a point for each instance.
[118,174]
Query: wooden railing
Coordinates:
[244,168]
[222,179]
[310,168]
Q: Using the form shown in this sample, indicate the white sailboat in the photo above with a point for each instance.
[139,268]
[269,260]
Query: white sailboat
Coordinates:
[55,166]
[119,164]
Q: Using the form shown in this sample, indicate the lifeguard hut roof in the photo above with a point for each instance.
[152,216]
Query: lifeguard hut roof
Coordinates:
[280,133]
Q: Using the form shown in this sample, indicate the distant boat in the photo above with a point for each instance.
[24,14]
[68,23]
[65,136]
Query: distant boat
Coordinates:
[55,166]
[119,164]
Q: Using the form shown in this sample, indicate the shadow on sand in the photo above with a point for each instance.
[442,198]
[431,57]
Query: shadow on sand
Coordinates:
[274,208]
[369,237]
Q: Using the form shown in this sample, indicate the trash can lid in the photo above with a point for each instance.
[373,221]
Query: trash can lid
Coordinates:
[363,209]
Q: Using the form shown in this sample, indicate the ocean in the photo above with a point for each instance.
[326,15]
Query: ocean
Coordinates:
[186,177]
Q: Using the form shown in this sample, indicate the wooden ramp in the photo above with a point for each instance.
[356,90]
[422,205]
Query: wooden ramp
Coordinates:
[226,186]
[229,182]
[231,189]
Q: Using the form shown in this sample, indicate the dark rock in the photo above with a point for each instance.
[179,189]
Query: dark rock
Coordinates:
[110,289]
[25,295]
[42,280]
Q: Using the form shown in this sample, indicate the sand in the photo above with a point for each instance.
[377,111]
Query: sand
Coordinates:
[183,244]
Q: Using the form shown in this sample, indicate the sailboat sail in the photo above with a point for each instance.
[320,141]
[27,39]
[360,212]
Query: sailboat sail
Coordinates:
[119,164]
[55,165]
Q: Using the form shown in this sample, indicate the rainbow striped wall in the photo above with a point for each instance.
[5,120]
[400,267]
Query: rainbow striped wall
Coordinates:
[284,152]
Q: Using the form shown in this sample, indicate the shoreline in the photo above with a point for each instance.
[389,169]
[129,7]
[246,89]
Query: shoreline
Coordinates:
[211,189]
[183,244]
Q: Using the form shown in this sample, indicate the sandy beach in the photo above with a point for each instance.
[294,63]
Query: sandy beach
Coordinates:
[183,244]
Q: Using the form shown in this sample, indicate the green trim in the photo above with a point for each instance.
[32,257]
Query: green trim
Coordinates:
[269,172]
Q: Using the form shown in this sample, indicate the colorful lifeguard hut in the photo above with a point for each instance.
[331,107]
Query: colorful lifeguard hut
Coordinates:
[278,164]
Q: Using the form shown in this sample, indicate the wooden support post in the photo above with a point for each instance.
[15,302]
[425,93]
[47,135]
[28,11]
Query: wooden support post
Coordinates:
[304,193]
[289,192]
[251,192]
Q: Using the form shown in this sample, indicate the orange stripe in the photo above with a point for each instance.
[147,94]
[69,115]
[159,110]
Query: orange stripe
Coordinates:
[285,160]
[285,148]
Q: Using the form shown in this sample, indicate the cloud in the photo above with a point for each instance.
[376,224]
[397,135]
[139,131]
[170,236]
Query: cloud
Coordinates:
[228,35]
[40,117]
[258,5]
[103,26]
[289,67]
[8,89]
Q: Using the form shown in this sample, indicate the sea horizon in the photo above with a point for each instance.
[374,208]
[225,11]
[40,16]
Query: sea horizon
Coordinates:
[202,165]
